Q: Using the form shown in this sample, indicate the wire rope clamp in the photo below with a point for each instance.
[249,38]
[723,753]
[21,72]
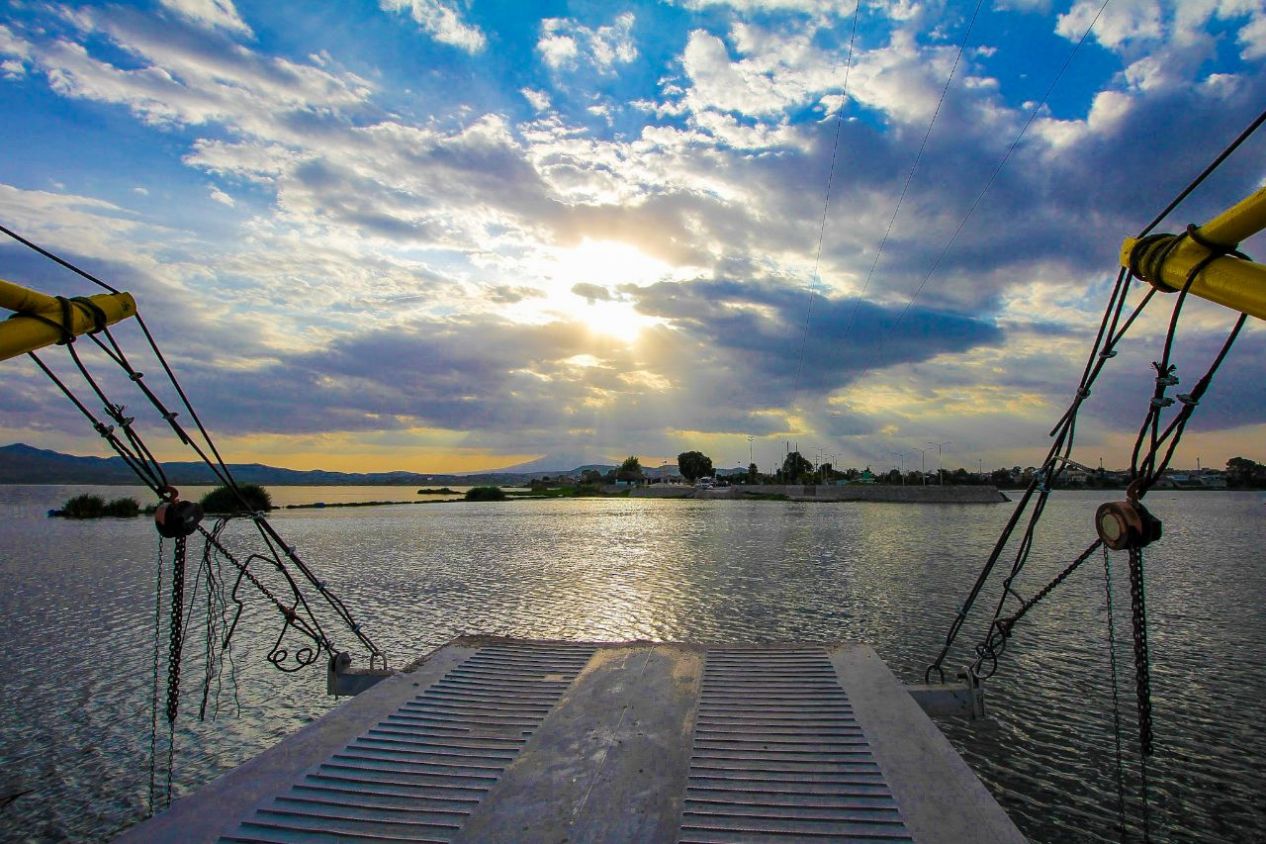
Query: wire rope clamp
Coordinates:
[175,518]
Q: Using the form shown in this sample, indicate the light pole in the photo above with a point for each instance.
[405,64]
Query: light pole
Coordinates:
[901,455]
[923,465]
[940,470]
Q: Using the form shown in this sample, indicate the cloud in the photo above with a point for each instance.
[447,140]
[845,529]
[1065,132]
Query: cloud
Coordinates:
[213,14]
[538,99]
[442,243]
[566,45]
[178,77]
[442,21]
[222,197]
[17,50]
[592,292]
[1119,23]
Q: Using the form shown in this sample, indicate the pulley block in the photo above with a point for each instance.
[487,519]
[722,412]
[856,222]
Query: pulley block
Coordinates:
[177,518]
[1126,524]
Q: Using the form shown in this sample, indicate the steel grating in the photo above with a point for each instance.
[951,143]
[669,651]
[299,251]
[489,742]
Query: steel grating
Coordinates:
[778,755]
[418,774]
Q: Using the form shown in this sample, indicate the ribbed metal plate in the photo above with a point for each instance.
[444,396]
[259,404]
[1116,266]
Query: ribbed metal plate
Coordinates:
[779,756]
[419,773]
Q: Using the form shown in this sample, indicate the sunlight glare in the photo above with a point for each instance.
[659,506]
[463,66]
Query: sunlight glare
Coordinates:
[601,267]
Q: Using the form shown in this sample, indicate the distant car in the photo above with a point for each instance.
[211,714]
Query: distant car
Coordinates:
[705,483]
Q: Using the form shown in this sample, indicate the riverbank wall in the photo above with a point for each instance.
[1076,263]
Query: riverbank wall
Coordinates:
[853,492]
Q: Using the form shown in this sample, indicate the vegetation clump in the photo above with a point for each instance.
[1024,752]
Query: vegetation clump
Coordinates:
[222,501]
[694,465]
[441,491]
[630,470]
[485,493]
[90,506]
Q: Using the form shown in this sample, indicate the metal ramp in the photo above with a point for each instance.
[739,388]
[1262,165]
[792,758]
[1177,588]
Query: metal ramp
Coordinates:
[518,741]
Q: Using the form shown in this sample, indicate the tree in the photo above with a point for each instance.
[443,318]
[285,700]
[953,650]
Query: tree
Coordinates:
[795,467]
[485,493]
[753,474]
[630,470]
[1242,472]
[222,501]
[694,465]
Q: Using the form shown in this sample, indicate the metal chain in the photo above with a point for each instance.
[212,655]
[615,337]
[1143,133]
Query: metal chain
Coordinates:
[177,629]
[1142,679]
[153,711]
[1142,672]
[1116,698]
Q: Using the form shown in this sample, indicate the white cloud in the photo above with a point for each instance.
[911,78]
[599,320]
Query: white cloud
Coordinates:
[222,197]
[566,45]
[442,21]
[748,6]
[763,84]
[1122,21]
[17,50]
[183,82]
[139,191]
[1253,37]
[210,13]
[538,99]
[558,51]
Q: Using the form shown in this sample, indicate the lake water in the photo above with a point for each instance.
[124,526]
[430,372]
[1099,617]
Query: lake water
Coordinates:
[77,642]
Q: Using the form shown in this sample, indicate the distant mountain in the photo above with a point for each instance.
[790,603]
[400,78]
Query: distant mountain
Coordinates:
[24,464]
[562,463]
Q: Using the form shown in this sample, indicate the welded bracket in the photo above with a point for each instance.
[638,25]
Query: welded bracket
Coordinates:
[342,680]
[965,698]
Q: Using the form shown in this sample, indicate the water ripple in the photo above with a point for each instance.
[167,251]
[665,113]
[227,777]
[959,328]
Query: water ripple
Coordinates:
[78,638]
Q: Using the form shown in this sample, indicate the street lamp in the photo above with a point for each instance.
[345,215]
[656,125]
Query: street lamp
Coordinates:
[901,455]
[923,466]
[940,470]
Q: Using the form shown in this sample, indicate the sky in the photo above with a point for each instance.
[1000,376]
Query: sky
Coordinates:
[452,235]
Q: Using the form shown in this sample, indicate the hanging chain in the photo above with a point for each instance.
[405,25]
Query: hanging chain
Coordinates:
[1142,680]
[177,629]
[1116,698]
[1142,672]
[153,712]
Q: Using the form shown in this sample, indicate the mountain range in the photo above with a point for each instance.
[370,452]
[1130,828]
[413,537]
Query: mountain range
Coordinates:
[24,464]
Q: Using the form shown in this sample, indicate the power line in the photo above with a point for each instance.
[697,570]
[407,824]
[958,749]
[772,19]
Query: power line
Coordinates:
[914,167]
[996,171]
[826,204]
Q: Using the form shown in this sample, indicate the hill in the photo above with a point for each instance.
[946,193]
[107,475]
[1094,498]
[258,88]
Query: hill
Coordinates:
[24,464]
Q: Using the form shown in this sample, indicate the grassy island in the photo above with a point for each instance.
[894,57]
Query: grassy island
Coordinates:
[95,507]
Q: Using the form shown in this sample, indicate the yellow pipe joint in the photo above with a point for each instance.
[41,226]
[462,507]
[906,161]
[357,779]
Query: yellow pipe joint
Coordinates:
[1233,282]
[22,333]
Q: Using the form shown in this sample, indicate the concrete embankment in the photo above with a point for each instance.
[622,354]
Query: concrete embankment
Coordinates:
[853,492]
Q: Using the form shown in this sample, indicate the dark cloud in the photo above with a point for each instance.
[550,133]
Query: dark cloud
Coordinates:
[1235,397]
[759,329]
[504,294]
[592,292]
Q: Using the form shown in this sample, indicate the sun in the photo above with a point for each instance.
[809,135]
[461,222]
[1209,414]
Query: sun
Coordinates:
[585,282]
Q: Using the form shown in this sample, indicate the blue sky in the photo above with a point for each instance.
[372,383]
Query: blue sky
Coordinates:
[443,235]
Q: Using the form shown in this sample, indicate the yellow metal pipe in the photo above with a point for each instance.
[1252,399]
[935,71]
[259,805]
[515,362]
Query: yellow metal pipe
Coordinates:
[21,334]
[1238,223]
[1229,281]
